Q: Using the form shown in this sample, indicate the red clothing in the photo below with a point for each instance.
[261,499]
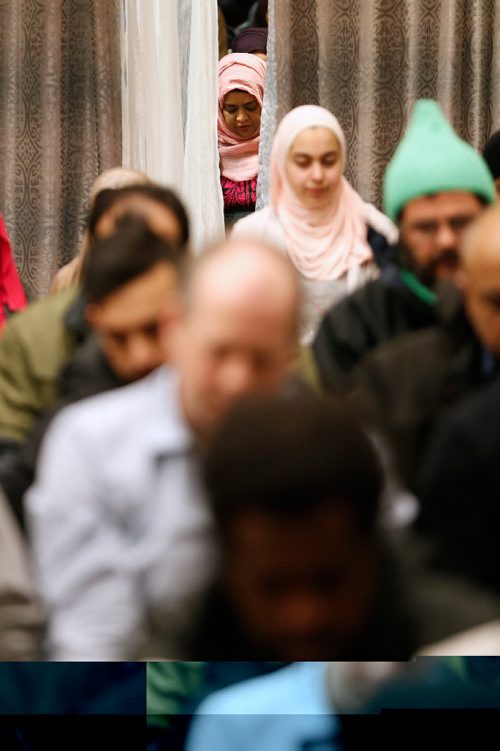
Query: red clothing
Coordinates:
[12,295]
[240,195]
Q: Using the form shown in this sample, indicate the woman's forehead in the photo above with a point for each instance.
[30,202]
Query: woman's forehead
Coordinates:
[315,139]
[238,96]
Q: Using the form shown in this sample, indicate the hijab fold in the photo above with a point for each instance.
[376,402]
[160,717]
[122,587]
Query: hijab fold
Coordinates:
[323,243]
[239,156]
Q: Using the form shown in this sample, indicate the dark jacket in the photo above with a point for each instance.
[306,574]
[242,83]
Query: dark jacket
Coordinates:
[460,489]
[34,347]
[437,683]
[57,706]
[380,310]
[407,384]
[86,374]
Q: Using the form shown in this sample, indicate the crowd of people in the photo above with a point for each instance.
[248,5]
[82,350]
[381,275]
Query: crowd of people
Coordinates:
[283,450]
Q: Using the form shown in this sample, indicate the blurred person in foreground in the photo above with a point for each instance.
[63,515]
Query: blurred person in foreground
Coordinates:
[37,343]
[459,480]
[305,570]
[130,280]
[122,567]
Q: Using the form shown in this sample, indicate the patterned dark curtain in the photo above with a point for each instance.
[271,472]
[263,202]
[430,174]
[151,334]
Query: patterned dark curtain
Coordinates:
[368,61]
[60,124]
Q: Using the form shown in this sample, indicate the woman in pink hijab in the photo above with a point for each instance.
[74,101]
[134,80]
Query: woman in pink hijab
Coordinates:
[315,216]
[241,91]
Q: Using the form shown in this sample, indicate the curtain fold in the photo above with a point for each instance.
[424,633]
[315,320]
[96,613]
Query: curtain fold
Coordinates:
[169,96]
[368,61]
[59,124]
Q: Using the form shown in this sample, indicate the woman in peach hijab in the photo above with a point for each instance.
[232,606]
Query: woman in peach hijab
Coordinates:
[315,216]
[241,91]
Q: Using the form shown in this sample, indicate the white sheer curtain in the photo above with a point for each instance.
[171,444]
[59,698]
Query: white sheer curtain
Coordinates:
[367,62]
[169,103]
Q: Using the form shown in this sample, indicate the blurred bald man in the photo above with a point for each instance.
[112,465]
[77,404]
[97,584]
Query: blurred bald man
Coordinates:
[239,330]
[121,531]
[480,281]
[406,385]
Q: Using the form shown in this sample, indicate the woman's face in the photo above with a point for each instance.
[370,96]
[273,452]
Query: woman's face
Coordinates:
[314,166]
[241,113]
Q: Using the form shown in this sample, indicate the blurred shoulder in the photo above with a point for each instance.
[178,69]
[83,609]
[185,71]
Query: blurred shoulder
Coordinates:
[262,224]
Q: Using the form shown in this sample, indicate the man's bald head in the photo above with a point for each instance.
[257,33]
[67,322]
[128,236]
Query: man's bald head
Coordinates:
[238,332]
[246,271]
[481,243]
[481,277]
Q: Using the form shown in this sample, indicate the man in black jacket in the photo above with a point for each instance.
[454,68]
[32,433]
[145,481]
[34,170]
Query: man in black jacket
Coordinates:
[434,186]
[305,570]
[406,386]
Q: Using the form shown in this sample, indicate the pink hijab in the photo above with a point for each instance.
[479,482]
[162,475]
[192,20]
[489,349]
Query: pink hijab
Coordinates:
[239,156]
[324,243]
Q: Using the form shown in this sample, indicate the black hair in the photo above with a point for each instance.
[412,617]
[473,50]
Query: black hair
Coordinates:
[289,454]
[106,198]
[129,252]
[491,154]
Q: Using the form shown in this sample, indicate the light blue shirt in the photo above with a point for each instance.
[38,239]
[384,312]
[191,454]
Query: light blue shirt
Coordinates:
[287,710]
[122,535]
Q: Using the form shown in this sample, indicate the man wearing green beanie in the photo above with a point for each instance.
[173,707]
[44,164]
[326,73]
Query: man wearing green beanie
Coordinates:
[408,386]
[431,160]
[434,186]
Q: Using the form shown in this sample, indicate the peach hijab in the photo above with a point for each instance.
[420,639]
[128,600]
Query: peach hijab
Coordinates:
[239,156]
[324,243]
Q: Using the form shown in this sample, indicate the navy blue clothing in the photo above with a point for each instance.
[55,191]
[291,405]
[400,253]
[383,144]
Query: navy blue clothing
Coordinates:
[61,706]
[83,688]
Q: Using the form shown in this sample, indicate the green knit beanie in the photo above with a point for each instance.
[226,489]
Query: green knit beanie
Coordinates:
[432,158]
